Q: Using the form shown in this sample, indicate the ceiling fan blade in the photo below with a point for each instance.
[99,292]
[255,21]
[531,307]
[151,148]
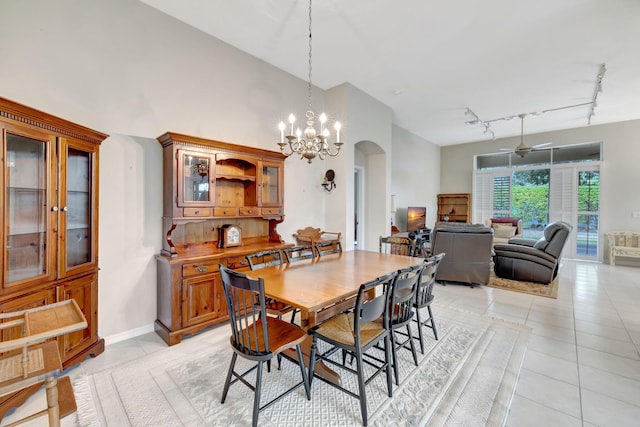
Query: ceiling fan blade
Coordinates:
[506,149]
[541,145]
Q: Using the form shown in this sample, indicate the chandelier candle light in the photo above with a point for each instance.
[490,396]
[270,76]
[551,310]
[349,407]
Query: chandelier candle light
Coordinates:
[310,143]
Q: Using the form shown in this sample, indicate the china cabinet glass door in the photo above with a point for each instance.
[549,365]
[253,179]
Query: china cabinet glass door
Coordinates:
[77,221]
[195,171]
[271,184]
[27,182]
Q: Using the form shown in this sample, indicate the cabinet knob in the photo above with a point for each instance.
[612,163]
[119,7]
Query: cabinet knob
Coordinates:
[197,212]
[65,209]
[54,209]
[202,268]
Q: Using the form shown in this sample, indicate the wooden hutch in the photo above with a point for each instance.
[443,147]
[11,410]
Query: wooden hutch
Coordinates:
[454,207]
[209,184]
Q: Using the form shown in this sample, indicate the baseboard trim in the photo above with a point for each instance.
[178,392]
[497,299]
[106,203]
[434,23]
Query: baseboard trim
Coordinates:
[131,333]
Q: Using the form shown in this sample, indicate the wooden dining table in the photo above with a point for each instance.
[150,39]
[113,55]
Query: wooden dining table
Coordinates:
[325,286]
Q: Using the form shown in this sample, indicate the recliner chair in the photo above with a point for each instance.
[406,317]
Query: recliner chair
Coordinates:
[531,260]
[468,249]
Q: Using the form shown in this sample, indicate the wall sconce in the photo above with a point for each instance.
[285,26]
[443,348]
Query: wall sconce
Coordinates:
[328,183]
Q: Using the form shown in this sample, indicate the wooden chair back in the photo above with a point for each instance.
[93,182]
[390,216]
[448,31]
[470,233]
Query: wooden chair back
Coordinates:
[326,248]
[247,313]
[403,294]
[367,308]
[396,245]
[264,259]
[299,253]
[425,292]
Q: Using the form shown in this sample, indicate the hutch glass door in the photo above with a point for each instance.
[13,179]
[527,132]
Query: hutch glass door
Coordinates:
[195,178]
[271,185]
[27,238]
[76,216]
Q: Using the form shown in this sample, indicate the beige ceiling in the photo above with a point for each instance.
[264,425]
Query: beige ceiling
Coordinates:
[429,60]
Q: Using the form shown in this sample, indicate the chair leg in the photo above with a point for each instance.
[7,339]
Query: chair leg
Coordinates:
[227,383]
[362,393]
[433,323]
[256,399]
[293,315]
[303,371]
[387,360]
[312,360]
[413,347]
[394,354]
[420,330]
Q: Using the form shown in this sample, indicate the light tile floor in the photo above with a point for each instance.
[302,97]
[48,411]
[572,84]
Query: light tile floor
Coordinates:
[582,365]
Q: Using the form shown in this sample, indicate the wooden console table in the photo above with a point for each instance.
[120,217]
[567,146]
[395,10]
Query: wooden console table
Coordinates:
[33,357]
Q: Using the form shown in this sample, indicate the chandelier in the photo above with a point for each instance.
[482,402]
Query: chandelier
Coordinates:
[310,143]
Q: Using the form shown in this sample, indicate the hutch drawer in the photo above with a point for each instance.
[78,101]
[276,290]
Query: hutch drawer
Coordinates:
[200,268]
[197,212]
[218,212]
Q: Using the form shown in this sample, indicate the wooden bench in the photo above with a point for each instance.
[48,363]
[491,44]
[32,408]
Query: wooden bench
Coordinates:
[311,236]
[624,244]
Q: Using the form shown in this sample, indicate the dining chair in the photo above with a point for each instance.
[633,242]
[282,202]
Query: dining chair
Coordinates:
[265,259]
[396,245]
[424,297]
[326,248]
[402,301]
[356,332]
[256,336]
[299,253]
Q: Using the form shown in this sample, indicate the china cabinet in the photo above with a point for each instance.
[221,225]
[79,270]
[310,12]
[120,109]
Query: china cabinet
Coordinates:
[50,219]
[221,202]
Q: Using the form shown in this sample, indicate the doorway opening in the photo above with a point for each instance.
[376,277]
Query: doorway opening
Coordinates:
[358,207]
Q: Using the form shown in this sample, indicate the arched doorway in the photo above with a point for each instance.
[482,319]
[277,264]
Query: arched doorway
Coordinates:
[370,194]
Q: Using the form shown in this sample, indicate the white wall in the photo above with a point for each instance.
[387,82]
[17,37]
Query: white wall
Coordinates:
[370,121]
[416,176]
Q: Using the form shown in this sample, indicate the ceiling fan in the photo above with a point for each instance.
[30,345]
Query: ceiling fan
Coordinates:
[522,149]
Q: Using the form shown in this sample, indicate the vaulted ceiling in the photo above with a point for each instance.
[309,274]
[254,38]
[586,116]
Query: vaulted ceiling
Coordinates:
[430,61]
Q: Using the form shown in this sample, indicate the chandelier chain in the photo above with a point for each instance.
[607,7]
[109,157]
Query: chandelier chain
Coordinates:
[310,62]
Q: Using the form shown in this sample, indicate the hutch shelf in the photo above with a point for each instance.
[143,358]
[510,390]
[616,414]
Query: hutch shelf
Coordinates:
[453,207]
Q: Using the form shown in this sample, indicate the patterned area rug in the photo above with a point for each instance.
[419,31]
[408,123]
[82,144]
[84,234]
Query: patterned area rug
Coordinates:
[467,377]
[540,289]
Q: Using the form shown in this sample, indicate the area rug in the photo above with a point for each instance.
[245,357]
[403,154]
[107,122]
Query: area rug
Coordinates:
[539,289]
[467,377]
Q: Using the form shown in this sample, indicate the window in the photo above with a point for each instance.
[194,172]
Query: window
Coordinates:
[588,206]
[501,196]
[530,193]
[561,184]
